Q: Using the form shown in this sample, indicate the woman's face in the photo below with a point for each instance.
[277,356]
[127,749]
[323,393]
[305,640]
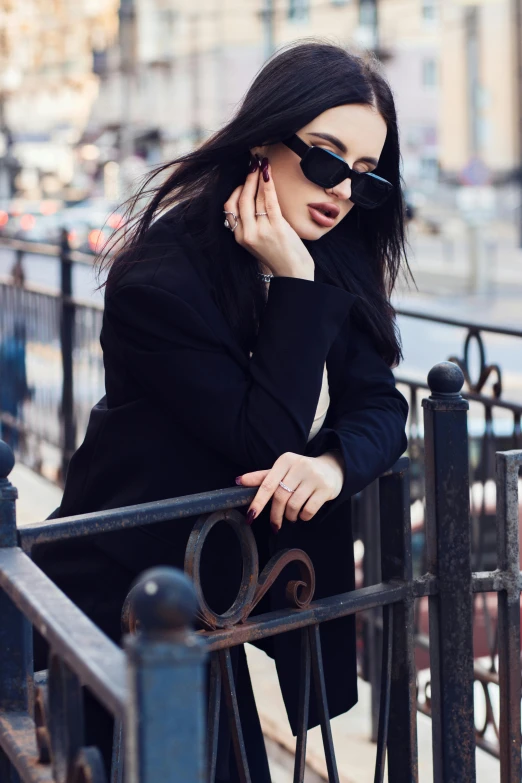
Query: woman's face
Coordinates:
[357,132]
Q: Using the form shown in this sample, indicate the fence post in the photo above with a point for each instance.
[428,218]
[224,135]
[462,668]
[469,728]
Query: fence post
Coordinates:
[67,317]
[508,628]
[448,548]
[396,557]
[164,726]
[372,627]
[16,644]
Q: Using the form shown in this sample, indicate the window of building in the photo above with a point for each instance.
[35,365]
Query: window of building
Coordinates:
[429,10]
[367,13]
[429,72]
[298,10]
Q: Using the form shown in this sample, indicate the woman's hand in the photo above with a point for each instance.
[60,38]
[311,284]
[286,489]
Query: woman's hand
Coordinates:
[269,238]
[314,479]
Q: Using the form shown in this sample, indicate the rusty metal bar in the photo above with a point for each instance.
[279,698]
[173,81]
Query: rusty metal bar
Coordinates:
[322,703]
[372,626]
[236,731]
[508,466]
[384,702]
[16,638]
[303,709]
[214,705]
[99,663]
[396,564]
[133,516]
[449,557]
[18,740]
[272,623]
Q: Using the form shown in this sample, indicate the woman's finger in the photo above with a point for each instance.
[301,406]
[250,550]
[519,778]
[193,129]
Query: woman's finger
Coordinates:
[247,200]
[313,504]
[260,197]
[296,501]
[270,195]
[253,479]
[282,497]
[270,485]
[232,205]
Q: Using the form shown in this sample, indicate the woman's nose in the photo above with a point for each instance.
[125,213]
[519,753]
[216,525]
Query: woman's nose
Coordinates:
[344,189]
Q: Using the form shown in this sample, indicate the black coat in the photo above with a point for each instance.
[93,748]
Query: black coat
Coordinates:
[187,411]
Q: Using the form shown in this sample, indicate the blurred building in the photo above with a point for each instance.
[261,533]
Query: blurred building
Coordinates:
[50,52]
[480,94]
[97,91]
[179,71]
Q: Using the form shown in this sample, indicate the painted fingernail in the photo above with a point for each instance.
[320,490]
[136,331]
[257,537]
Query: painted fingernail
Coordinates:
[258,158]
[238,479]
[253,165]
[274,527]
[250,516]
[264,169]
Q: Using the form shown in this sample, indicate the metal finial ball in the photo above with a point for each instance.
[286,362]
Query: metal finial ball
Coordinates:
[163,599]
[445,379]
[7,459]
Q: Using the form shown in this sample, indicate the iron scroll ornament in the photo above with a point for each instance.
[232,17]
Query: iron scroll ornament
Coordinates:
[485,369]
[254,585]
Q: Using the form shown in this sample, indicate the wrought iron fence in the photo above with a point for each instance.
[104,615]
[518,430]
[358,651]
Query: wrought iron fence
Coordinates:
[51,364]
[64,377]
[449,583]
[41,713]
[484,441]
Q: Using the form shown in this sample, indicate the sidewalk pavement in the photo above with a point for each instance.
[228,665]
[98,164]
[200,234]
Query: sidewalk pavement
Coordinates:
[351,731]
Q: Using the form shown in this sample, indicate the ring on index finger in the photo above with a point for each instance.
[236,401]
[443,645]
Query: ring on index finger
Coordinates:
[227,224]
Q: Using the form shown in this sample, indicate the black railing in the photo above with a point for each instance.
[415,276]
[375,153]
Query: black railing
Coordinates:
[53,415]
[41,713]
[51,364]
[491,413]
[449,583]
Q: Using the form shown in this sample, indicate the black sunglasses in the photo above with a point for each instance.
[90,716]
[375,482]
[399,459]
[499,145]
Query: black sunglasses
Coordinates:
[327,169]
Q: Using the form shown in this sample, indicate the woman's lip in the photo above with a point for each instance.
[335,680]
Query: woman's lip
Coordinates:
[319,218]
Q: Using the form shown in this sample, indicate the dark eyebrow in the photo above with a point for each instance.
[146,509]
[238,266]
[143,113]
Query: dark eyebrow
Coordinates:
[340,146]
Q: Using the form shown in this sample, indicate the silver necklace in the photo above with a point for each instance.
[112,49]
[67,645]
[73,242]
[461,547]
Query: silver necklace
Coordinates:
[266,278]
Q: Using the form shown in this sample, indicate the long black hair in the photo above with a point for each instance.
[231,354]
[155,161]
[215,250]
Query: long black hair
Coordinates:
[362,254]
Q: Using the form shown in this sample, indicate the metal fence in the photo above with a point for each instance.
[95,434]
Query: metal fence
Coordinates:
[63,372]
[496,426]
[80,653]
[51,363]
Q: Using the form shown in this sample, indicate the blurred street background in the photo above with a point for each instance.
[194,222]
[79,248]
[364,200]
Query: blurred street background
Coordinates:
[94,93]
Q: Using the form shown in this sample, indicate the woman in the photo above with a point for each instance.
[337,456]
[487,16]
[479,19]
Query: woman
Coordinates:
[248,336]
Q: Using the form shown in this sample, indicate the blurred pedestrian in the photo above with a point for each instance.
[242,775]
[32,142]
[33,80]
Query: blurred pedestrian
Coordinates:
[248,335]
[13,383]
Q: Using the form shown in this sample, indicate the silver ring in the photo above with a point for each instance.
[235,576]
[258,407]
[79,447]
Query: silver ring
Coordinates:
[261,213]
[227,224]
[285,487]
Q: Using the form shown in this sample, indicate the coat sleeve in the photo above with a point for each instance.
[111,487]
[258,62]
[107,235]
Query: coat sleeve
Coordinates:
[367,423]
[253,413]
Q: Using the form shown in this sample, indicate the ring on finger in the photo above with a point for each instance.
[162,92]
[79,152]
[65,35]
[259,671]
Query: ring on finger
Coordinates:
[261,213]
[285,487]
[227,224]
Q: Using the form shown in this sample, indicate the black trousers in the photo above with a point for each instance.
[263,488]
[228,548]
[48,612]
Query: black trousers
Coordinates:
[98,584]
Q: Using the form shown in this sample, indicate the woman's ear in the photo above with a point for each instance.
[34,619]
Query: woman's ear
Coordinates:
[259,151]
